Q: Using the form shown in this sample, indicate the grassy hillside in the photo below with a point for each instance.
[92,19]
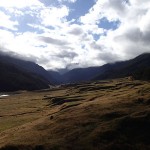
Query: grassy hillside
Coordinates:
[102,115]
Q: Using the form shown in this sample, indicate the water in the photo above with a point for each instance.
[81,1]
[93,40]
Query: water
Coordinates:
[4,95]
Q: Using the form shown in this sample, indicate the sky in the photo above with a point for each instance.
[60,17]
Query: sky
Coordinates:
[74,33]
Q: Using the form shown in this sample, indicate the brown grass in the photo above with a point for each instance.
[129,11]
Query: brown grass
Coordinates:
[105,115]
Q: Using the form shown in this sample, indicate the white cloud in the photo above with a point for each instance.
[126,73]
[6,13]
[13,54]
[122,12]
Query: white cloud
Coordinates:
[55,42]
[53,16]
[144,23]
[131,37]
[19,3]
[5,37]
[6,22]
[111,9]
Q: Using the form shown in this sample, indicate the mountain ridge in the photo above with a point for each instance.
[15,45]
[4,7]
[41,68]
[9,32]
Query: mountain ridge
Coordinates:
[29,75]
[133,67]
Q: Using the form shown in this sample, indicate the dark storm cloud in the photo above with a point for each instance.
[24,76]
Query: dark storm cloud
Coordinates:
[53,41]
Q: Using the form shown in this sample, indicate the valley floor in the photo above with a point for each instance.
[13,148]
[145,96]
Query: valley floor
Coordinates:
[102,115]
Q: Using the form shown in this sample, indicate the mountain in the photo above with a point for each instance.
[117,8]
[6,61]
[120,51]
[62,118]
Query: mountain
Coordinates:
[63,70]
[17,74]
[56,76]
[12,79]
[138,67]
[29,67]
[83,74]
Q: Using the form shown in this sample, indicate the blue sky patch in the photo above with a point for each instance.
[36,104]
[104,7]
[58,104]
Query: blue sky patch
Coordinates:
[80,8]
[108,25]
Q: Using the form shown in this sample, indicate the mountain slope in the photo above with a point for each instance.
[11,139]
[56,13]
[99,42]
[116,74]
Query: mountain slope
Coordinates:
[84,74]
[138,67]
[28,66]
[27,75]
[12,79]
[56,76]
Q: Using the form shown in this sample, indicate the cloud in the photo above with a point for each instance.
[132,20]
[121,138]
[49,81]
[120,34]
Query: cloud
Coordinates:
[76,30]
[41,30]
[67,54]
[53,41]
[7,22]
[107,57]
[132,35]
[95,46]
[110,9]
[7,52]
[53,16]
[19,4]
[58,60]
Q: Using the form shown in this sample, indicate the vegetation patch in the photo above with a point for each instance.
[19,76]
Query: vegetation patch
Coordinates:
[105,115]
